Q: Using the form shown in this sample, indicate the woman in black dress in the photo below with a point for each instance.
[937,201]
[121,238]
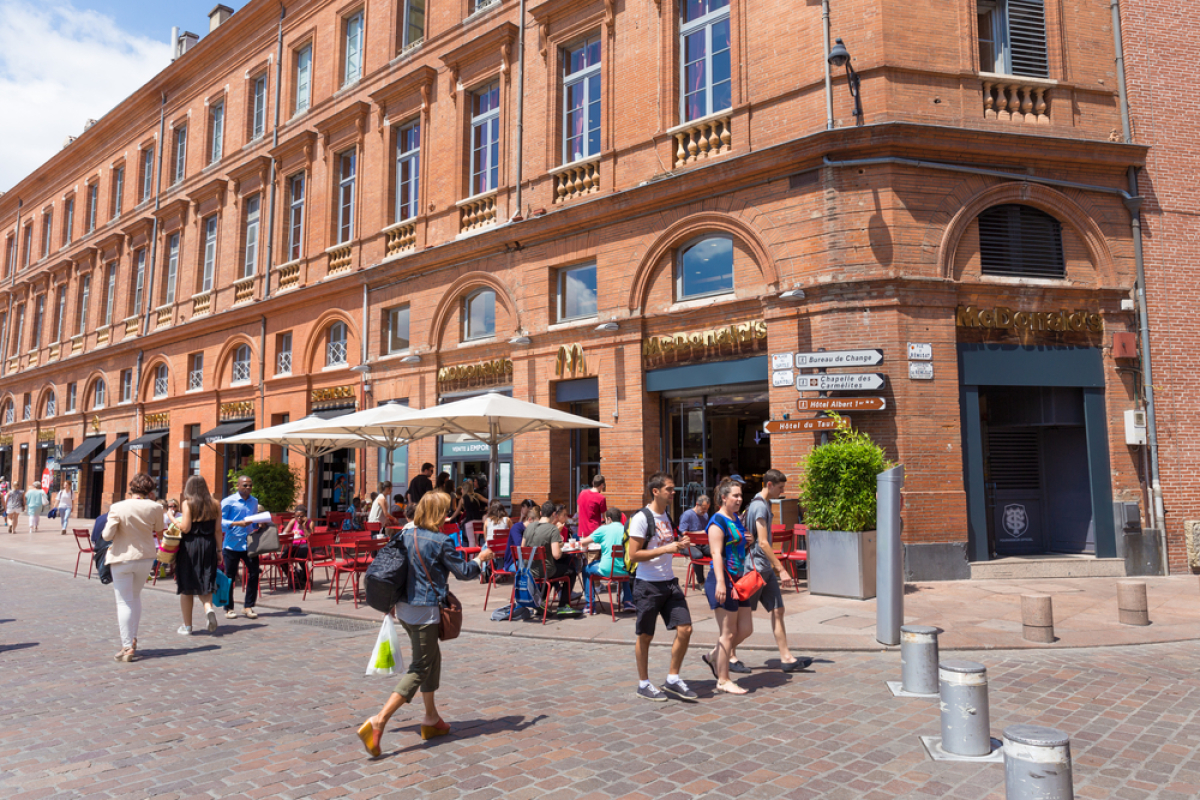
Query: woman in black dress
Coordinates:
[196,562]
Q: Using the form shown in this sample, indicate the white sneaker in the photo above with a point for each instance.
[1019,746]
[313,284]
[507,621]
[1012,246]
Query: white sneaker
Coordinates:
[184,630]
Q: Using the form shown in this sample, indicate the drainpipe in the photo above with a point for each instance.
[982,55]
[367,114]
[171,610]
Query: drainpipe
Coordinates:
[11,284]
[162,132]
[362,385]
[520,113]
[262,370]
[1157,514]
[828,68]
[274,144]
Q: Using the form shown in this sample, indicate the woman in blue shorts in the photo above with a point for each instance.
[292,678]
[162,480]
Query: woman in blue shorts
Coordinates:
[729,541]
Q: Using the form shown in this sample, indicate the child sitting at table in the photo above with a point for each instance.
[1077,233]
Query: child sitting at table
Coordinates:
[607,535]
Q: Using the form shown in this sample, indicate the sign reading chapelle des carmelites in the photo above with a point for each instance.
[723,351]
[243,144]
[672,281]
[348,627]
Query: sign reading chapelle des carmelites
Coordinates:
[742,337]
[1004,318]
[487,373]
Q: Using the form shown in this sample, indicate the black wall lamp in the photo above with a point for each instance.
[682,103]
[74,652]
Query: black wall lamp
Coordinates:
[839,56]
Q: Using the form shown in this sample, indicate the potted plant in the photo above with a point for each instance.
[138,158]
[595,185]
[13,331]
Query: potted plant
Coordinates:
[275,484]
[837,492]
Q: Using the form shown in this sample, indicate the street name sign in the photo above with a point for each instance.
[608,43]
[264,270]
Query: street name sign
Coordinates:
[842,382]
[781,361]
[783,377]
[805,425]
[840,358]
[920,371]
[920,351]
[840,404]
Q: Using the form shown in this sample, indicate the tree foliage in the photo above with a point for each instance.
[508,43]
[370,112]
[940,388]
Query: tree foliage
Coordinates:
[275,484]
[838,486]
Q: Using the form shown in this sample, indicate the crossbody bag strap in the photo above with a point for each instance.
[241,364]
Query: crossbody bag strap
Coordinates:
[421,558]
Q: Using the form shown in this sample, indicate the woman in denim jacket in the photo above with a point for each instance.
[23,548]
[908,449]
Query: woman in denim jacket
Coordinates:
[420,615]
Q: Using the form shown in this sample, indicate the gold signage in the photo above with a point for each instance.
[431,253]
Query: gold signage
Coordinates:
[487,372]
[240,410]
[46,435]
[95,423]
[1004,318]
[332,393]
[740,337]
[6,440]
[156,422]
[570,361]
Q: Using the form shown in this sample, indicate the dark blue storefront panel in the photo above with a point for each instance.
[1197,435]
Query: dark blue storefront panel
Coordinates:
[717,373]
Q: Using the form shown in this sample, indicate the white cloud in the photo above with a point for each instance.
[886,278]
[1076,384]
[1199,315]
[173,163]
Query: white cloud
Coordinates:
[59,67]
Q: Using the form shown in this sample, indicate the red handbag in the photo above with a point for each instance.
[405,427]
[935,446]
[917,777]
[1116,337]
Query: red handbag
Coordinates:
[746,586]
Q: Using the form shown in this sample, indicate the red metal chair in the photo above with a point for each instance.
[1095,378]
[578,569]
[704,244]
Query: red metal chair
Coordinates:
[354,562]
[373,527]
[320,554]
[797,557]
[695,539]
[618,554]
[536,555]
[83,538]
[499,545]
[273,565]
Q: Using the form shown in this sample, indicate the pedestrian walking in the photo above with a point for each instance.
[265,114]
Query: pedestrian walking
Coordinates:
[432,557]
[63,503]
[656,592]
[235,529]
[14,504]
[131,528]
[729,542]
[196,561]
[35,501]
[592,504]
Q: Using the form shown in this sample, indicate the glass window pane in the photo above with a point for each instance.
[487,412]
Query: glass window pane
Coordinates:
[706,267]
[398,329]
[578,287]
[481,315]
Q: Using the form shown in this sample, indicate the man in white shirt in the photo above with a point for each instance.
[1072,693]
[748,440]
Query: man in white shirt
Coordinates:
[656,592]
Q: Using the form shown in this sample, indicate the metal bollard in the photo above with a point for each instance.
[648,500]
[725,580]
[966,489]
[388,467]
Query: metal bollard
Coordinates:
[889,575]
[1037,618]
[1037,764]
[919,659]
[1132,606]
[966,726]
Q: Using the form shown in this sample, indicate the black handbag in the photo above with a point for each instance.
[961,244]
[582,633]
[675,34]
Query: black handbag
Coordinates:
[103,571]
[386,578]
[263,541]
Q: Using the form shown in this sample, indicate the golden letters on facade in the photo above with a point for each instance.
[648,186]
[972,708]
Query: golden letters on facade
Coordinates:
[571,362]
[737,338]
[46,435]
[240,410]
[487,373]
[333,396]
[1004,318]
[156,422]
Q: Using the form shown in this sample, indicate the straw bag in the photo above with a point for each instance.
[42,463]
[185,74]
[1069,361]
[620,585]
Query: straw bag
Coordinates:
[169,546]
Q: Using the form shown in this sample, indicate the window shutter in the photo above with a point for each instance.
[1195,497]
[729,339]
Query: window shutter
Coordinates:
[1021,241]
[1027,38]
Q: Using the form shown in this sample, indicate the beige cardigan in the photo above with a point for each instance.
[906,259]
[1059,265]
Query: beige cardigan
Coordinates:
[131,527]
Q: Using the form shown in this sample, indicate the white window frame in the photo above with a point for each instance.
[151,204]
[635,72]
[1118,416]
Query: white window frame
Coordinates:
[51,405]
[303,98]
[335,345]
[216,131]
[27,408]
[486,121]
[172,268]
[147,173]
[393,314]
[239,373]
[562,291]
[110,291]
[706,23]
[85,300]
[118,191]
[61,313]
[258,107]
[180,138]
[409,41]
[468,335]
[72,392]
[196,373]
[39,314]
[283,356]
[295,224]
[353,30]
[99,395]
[250,254]
[140,285]
[408,172]
[93,202]
[210,253]
[68,219]
[584,78]
[679,295]
[162,381]
[346,194]
[47,231]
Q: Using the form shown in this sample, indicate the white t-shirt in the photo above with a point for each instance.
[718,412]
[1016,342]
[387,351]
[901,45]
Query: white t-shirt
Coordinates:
[659,567]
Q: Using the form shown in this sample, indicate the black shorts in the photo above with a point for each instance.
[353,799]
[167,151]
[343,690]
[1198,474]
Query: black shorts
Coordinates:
[771,595]
[659,598]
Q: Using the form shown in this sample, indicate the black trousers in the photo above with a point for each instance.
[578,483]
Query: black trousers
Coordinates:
[232,557]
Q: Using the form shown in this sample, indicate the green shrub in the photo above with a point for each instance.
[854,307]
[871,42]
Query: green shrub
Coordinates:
[275,484]
[838,486]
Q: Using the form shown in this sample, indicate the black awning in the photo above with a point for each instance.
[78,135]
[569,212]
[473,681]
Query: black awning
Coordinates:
[145,440]
[99,458]
[227,429]
[81,453]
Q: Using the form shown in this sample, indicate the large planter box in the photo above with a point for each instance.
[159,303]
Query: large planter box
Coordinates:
[841,564]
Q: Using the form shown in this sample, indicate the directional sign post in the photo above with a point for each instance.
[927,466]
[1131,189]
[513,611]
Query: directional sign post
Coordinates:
[840,358]
[840,404]
[805,425]
[842,382]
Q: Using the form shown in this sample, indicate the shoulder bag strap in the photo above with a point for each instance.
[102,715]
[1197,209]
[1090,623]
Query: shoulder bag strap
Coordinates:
[421,558]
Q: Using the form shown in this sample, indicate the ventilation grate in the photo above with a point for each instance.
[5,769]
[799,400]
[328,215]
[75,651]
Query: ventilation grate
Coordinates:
[1021,241]
[1013,461]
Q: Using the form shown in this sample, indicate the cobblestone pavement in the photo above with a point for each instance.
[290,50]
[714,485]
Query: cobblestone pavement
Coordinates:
[268,709]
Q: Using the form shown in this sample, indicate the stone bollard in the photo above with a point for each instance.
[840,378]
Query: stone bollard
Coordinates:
[1132,607]
[966,726]
[919,659]
[1037,764]
[1037,617]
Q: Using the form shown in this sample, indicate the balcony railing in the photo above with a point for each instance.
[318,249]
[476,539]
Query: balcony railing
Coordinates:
[340,258]
[102,335]
[14,364]
[77,344]
[1015,99]
[32,359]
[131,326]
[703,139]
[401,237]
[243,290]
[162,316]
[289,276]
[577,179]
[53,353]
[201,304]
[477,212]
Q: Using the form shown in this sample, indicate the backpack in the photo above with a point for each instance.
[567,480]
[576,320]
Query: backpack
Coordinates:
[630,565]
[386,579]
[527,593]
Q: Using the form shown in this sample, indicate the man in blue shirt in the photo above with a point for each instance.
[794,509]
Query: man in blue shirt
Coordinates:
[695,520]
[234,510]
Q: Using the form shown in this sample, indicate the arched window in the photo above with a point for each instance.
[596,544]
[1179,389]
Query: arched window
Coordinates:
[51,405]
[705,267]
[1020,241]
[479,315]
[161,384]
[99,394]
[10,413]
[335,346]
[241,365]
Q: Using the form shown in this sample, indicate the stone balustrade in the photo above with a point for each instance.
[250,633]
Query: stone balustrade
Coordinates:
[401,237]
[53,353]
[162,316]
[77,344]
[1013,99]
[576,180]
[243,290]
[131,326]
[201,304]
[33,359]
[477,212]
[703,138]
[340,258]
[102,335]
[289,276]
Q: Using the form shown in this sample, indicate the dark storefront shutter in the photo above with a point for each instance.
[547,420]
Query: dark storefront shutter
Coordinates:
[1013,460]
[1027,38]
[1021,241]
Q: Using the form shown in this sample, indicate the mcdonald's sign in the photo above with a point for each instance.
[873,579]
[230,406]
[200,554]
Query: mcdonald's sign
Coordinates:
[571,362]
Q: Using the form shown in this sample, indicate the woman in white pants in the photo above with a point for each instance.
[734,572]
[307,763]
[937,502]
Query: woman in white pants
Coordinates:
[66,499]
[132,526]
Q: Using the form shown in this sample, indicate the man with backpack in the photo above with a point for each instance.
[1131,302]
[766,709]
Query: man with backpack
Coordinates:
[649,551]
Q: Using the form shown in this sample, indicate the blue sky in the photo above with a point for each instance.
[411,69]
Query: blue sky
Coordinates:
[63,62]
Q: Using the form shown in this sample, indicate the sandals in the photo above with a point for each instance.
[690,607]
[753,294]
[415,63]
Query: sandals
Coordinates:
[371,738]
[250,613]
[730,687]
[704,657]
[127,655]
[432,731]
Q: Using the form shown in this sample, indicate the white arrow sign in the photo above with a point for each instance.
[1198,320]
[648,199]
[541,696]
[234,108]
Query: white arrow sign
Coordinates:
[840,358]
[858,382]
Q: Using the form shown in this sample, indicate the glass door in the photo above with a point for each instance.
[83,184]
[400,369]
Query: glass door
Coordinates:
[585,451]
[687,450]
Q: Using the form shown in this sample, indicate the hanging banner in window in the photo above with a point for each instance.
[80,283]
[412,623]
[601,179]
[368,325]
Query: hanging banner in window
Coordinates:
[680,348]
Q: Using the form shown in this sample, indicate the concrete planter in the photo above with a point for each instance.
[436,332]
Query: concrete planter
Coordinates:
[842,564]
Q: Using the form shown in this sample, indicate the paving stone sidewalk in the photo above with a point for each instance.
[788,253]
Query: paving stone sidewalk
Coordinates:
[268,709]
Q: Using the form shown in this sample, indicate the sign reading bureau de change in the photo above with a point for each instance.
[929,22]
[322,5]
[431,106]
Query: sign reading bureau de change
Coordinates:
[840,358]
[856,382]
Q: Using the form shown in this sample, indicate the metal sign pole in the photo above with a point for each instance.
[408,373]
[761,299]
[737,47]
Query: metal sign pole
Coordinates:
[889,603]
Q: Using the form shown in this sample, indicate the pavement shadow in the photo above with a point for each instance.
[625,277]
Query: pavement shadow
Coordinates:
[225,630]
[183,651]
[466,729]
[4,648]
[7,620]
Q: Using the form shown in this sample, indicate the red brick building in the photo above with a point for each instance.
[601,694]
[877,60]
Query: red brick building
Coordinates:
[681,196]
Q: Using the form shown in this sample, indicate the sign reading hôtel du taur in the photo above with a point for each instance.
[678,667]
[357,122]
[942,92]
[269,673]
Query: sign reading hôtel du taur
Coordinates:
[679,348]
[1004,318]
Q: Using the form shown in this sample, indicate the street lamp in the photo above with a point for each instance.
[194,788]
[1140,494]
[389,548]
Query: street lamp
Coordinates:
[839,56]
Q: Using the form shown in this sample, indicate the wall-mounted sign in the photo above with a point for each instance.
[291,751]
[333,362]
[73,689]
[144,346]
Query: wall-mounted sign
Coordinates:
[920,370]
[743,337]
[840,358]
[805,425]
[781,361]
[783,377]
[918,351]
[840,404]
[487,373]
[473,448]
[856,382]
[240,410]
[46,435]
[333,397]
[156,422]
[1004,318]
[6,440]
[570,362]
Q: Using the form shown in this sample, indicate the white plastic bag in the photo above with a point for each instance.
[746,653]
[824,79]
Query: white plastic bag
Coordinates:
[386,658]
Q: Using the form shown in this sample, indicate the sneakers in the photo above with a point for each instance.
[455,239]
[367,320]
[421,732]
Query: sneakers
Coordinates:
[211,616]
[679,689]
[651,693]
[250,613]
[628,608]
[738,666]
[184,630]
[231,614]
